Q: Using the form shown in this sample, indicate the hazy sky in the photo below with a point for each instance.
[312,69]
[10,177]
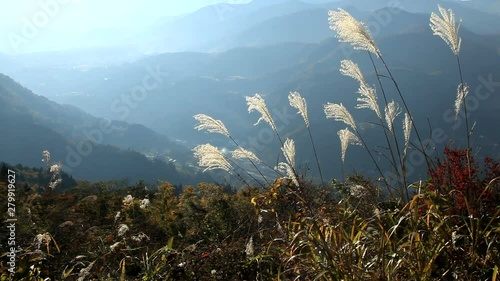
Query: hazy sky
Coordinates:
[40,25]
[87,14]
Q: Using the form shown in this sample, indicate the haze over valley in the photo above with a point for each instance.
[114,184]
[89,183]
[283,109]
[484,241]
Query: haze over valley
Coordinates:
[250,140]
[145,71]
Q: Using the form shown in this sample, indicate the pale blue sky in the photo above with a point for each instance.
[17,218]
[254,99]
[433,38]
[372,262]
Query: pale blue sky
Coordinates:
[87,14]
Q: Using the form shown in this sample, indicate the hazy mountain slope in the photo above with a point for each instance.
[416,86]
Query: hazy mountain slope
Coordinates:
[213,27]
[427,74]
[422,63]
[32,124]
[308,26]
[209,83]
[476,19]
[74,123]
[224,26]
[487,6]
[217,83]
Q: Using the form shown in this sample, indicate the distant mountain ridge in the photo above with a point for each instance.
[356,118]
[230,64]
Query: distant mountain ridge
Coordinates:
[274,61]
[211,28]
[87,147]
[224,26]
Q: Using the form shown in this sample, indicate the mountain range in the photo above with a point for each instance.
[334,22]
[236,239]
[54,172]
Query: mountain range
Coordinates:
[208,61]
[87,147]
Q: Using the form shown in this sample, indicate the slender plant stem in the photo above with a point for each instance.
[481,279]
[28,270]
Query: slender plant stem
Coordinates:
[250,175]
[316,156]
[342,170]
[408,111]
[400,177]
[466,117]
[374,162]
[240,178]
[251,161]
[283,146]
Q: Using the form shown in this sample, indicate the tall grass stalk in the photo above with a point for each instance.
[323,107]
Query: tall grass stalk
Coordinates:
[339,113]
[357,34]
[211,158]
[407,109]
[216,126]
[467,130]
[257,103]
[401,175]
[300,104]
[445,27]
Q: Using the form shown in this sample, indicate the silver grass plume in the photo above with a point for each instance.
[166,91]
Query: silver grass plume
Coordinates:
[289,151]
[286,169]
[462,92]
[407,123]
[300,104]
[368,94]
[339,113]
[55,169]
[241,153]
[216,126]
[46,157]
[346,138]
[351,31]
[368,99]
[351,69]
[391,111]
[258,103]
[446,28]
[210,124]
[55,179]
[211,158]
